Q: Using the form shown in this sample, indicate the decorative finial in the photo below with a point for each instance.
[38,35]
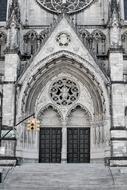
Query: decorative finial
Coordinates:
[115,25]
[64,9]
[13,26]
[14,11]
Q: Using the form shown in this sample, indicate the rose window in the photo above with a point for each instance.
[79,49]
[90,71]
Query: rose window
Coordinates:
[64,92]
[70,6]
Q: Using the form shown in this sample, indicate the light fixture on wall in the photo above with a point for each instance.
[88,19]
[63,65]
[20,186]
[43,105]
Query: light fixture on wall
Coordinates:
[33,124]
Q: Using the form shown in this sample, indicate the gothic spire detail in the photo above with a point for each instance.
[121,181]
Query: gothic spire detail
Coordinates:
[14,13]
[114,6]
[13,25]
[115,24]
[114,13]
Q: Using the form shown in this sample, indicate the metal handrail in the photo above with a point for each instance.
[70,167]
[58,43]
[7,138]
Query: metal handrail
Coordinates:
[13,166]
[111,174]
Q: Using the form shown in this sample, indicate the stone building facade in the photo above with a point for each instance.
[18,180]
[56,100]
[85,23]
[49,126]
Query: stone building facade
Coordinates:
[66,62]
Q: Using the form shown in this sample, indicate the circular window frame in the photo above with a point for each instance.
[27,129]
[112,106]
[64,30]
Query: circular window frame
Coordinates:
[61,78]
[59,12]
[68,38]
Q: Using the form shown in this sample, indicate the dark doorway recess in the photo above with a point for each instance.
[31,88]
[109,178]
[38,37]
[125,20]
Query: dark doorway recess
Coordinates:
[50,145]
[78,145]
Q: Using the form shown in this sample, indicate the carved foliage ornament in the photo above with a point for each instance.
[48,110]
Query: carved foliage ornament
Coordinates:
[69,6]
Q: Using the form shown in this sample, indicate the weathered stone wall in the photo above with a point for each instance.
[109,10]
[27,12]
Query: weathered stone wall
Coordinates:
[108,69]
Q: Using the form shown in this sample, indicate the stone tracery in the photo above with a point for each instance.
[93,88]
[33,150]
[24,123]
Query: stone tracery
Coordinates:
[64,92]
[69,6]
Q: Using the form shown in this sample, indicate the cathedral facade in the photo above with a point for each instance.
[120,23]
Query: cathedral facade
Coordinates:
[65,63]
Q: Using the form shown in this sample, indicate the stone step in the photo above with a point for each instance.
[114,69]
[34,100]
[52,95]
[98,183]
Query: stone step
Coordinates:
[64,177]
[7,162]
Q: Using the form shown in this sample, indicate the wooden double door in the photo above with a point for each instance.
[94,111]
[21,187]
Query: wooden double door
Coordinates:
[78,145]
[50,145]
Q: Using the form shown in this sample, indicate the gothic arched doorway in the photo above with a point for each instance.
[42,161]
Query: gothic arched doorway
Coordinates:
[78,136]
[50,136]
[64,85]
[65,140]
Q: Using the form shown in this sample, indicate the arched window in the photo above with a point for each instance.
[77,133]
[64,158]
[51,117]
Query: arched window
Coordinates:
[3,39]
[98,42]
[86,37]
[30,42]
[124,42]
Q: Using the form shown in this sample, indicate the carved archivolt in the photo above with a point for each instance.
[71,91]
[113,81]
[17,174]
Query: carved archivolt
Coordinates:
[82,72]
[35,87]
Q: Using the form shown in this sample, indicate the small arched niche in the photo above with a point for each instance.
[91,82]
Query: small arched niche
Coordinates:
[79,117]
[50,117]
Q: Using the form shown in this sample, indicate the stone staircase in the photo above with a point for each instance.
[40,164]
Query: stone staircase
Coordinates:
[65,177]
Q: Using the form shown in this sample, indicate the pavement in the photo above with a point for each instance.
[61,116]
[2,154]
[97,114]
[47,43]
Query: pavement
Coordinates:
[65,177]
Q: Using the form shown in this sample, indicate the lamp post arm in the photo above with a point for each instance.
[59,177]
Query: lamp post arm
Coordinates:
[16,126]
[25,119]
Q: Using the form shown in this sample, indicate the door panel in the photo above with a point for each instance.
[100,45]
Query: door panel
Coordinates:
[78,145]
[50,145]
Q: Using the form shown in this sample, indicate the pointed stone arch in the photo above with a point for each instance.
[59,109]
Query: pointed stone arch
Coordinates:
[87,73]
[54,118]
[63,61]
[75,68]
[30,42]
[78,105]
[98,42]
[86,37]
[30,94]
[54,108]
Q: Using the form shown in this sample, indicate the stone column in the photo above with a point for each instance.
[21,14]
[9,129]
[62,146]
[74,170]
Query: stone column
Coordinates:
[118,129]
[64,144]
[11,62]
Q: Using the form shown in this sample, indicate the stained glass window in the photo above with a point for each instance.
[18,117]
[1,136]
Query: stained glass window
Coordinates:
[3,10]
